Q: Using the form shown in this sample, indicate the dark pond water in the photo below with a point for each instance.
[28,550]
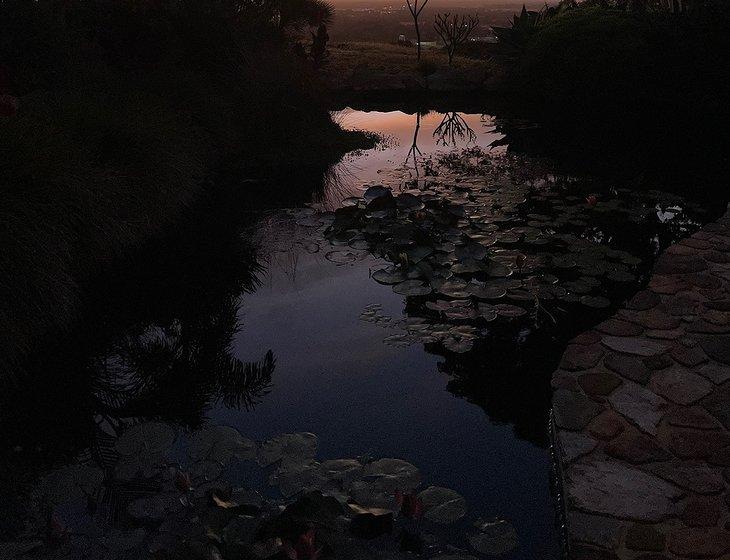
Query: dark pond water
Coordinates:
[422,326]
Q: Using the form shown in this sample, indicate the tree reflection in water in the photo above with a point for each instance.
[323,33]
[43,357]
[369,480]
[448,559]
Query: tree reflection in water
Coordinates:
[453,130]
[154,343]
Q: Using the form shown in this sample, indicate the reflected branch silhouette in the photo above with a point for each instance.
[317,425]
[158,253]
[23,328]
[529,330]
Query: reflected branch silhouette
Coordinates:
[452,129]
[179,371]
[414,153]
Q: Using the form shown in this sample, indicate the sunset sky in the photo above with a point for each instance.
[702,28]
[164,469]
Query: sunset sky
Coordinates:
[453,3]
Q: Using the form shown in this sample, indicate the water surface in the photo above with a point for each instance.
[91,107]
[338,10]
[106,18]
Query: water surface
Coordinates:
[280,327]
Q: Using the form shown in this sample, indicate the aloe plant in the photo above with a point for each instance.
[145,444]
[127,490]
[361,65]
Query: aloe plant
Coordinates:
[526,24]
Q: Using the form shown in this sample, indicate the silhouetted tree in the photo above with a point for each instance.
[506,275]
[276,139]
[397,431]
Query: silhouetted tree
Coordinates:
[416,7]
[454,30]
[319,44]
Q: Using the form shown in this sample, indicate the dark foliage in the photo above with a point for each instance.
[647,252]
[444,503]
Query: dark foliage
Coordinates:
[634,84]
[121,111]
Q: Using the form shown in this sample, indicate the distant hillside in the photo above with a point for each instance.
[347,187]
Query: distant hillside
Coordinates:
[380,21]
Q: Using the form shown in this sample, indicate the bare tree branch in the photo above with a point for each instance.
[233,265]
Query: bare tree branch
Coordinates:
[454,30]
[416,7]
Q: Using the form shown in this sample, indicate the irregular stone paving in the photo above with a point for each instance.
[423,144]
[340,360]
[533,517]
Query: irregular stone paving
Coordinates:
[641,415]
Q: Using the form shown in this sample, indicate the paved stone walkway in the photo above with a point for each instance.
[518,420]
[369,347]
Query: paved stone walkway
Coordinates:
[641,412]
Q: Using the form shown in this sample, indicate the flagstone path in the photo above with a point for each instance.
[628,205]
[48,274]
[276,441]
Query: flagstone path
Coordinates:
[641,415]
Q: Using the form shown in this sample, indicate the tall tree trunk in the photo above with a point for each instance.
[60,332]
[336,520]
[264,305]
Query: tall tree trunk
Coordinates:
[418,39]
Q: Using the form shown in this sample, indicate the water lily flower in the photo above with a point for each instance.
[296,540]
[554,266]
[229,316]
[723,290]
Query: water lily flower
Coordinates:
[411,506]
[57,530]
[182,481]
[8,105]
[304,549]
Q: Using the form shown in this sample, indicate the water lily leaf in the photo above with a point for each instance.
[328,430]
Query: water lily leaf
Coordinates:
[508,237]
[442,505]
[398,340]
[471,251]
[620,276]
[294,478]
[150,437]
[310,221]
[294,448]
[495,538]
[455,288]
[382,479]
[597,302]
[445,247]
[359,244]
[564,261]
[205,470]
[344,257]
[577,287]
[412,288]
[220,444]
[487,312]
[458,345]
[445,305]
[469,266]
[418,253]
[461,313]
[389,275]
[509,311]
[343,237]
[70,483]
[343,471]
[377,191]
[487,291]
[311,247]
[498,270]
[408,202]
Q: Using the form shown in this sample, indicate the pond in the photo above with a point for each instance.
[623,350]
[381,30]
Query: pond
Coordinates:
[414,310]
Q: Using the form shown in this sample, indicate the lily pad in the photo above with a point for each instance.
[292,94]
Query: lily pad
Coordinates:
[510,311]
[389,275]
[442,505]
[418,253]
[150,437]
[412,288]
[487,312]
[220,444]
[377,191]
[498,270]
[597,302]
[471,251]
[487,291]
[290,448]
[344,257]
[461,313]
[495,538]
[408,202]
[400,475]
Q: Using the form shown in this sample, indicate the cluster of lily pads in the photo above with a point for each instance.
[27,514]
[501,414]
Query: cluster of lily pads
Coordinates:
[215,494]
[468,251]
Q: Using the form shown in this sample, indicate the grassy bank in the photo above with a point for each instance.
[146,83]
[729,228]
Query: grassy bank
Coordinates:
[622,87]
[125,110]
[380,68]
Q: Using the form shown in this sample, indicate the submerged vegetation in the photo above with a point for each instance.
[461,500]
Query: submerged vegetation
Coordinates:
[115,114]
